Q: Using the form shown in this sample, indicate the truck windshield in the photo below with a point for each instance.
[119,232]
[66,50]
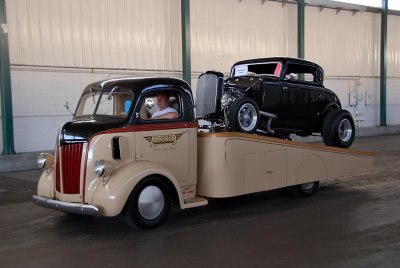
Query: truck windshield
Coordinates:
[115,102]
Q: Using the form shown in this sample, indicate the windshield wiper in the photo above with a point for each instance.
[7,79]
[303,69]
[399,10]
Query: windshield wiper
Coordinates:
[110,93]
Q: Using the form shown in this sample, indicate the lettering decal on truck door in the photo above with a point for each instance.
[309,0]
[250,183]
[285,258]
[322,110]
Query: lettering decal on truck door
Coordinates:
[163,139]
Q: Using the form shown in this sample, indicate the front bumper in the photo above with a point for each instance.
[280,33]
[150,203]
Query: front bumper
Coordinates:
[65,206]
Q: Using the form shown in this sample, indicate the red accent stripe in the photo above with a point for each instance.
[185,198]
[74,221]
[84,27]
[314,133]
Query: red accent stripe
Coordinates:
[149,127]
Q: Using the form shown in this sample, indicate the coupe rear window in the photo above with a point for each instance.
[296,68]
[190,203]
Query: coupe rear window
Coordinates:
[270,68]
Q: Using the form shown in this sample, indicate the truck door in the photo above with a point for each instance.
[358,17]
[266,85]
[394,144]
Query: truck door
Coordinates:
[169,141]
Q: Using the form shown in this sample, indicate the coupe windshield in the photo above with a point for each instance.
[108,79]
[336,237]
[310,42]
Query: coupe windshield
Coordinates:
[114,102]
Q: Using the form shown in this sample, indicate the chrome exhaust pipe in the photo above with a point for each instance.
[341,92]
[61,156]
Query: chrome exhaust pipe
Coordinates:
[270,117]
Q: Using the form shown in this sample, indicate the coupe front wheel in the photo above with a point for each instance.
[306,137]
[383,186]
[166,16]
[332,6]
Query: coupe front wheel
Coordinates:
[244,115]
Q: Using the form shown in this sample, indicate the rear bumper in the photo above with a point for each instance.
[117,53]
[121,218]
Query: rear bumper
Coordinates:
[68,207]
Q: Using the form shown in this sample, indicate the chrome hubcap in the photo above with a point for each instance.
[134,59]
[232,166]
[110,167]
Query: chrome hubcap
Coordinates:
[247,117]
[151,202]
[345,130]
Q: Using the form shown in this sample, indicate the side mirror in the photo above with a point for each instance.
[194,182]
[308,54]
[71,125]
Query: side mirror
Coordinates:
[66,105]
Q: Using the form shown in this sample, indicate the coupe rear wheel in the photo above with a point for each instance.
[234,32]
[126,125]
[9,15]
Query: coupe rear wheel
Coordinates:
[338,129]
[244,115]
[148,205]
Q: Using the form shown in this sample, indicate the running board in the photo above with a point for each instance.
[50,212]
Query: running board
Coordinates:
[194,202]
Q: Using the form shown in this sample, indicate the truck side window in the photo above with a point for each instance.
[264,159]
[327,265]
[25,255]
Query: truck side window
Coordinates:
[161,105]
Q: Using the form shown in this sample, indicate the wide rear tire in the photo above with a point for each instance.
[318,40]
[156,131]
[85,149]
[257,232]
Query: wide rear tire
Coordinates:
[338,129]
[244,115]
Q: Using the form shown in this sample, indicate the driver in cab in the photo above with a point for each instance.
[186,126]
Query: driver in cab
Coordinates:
[165,112]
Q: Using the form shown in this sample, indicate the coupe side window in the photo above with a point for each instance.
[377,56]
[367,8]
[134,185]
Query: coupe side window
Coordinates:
[298,72]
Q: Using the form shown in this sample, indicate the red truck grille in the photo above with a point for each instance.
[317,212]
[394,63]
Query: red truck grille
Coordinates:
[71,156]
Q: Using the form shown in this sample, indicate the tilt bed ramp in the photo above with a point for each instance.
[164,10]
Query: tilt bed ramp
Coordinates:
[233,163]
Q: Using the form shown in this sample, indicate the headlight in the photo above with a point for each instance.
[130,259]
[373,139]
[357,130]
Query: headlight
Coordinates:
[41,161]
[45,161]
[99,168]
[102,168]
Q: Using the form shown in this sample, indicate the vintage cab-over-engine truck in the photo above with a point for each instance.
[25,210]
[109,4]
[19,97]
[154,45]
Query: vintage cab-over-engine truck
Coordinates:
[123,154]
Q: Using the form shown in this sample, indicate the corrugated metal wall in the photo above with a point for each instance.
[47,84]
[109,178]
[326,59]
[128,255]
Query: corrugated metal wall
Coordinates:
[144,37]
[226,31]
[345,44]
[393,70]
[393,43]
[140,34]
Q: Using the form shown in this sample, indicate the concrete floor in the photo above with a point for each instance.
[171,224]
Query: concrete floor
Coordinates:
[349,222]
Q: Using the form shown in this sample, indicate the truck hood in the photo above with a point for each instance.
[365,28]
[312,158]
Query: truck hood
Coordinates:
[77,131]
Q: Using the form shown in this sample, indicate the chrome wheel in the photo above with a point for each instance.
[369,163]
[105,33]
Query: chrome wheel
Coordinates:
[345,130]
[151,202]
[247,117]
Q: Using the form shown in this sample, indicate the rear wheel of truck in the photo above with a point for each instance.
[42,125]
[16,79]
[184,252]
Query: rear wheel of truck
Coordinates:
[305,189]
[244,115]
[148,204]
[338,129]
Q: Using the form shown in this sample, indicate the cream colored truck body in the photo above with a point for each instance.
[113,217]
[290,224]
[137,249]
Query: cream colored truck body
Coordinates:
[197,165]
[232,163]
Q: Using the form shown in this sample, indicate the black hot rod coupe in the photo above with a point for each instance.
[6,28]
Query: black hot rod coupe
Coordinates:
[274,96]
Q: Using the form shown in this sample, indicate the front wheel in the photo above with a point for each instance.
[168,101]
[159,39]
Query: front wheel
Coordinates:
[148,205]
[338,129]
[244,115]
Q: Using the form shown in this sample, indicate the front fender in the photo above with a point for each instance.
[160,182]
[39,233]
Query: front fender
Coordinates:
[111,197]
[46,184]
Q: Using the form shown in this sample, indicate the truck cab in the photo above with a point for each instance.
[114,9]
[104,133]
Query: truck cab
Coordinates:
[113,131]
